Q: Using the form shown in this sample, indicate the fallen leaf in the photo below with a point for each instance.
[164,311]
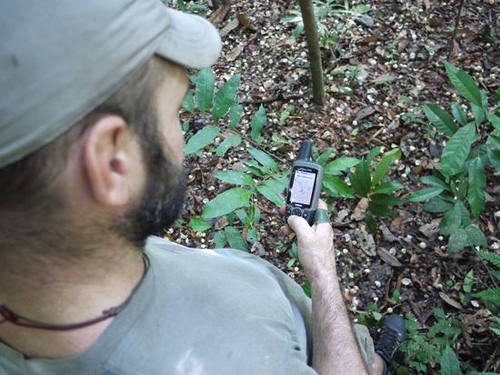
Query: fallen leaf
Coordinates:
[235,52]
[388,258]
[360,210]
[450,301]
[230,26]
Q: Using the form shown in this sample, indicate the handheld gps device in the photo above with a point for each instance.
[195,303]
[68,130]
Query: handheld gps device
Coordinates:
[305,185]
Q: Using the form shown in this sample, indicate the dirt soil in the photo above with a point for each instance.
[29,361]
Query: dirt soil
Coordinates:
[377,74]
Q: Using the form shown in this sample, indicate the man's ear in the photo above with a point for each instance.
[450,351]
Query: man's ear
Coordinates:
[111,157]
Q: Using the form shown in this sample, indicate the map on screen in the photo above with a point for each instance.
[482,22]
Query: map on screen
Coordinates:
[303,187]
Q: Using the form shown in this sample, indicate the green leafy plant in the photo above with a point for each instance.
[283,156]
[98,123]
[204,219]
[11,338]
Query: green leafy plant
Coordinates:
[457,188]
[491,295]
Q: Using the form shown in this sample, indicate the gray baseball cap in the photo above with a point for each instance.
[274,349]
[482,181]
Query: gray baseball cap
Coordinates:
[60,59]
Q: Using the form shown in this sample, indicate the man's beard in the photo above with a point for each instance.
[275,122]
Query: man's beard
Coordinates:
[163,197]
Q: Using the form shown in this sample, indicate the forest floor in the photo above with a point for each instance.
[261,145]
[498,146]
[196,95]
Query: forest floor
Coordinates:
[377,74]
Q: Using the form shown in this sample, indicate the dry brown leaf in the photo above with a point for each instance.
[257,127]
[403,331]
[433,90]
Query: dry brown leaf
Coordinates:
[235,52]
[360,210]
[450,301]
[230,26]
[388,258]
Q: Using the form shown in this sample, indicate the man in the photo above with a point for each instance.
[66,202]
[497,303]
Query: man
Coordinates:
[90,166]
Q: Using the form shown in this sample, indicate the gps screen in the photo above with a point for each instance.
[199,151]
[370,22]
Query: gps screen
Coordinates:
[303,187]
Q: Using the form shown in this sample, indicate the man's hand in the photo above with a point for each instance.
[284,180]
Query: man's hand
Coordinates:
[315,246]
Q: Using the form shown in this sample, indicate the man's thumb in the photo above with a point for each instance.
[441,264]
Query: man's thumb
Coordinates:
[299,225]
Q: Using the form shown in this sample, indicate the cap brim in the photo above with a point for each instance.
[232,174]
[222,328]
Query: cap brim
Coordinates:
[189,40]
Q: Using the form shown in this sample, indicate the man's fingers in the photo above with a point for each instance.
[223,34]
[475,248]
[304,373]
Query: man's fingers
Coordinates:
[299,225]
[322,205]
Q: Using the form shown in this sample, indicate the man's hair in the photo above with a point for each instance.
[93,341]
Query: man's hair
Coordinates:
[31,183]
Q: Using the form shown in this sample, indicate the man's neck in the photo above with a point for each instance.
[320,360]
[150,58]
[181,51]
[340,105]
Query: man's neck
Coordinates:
[61,286]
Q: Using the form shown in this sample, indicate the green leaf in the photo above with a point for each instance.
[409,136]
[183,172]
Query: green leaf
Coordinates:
[385,199]
[388,187]
[359,9]
[491,294]
[233,140]
[437,205]
[425,194]
[452,220]
[227,202]
[337,187]
[380,210]
[324,156]
[457,149]
[263,158]
[258,122]
[464,84]
[199,225]
[497,95]
[225,97]
[478,114]
[459,113]
[494,120]
[205,84]
[252,235]
[458,240]
[477,186]
[374,152]
[235,239]
[468,281]
[201,139]
[449,363]
[385,163]
[341,164]
[491,257]
[476,237]
[272,189]
[434,181]
[235,115]
[440,119]
[188,103]
[219,240]
[493,141]
[235,178]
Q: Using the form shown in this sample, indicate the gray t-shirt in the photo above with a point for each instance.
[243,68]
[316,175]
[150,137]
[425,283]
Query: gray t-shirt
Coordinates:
[196,312]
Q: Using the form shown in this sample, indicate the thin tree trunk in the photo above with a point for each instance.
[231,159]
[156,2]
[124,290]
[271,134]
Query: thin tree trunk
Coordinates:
[454,35]
[307,10]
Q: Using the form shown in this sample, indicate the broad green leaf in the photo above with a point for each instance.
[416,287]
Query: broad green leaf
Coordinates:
[382,167]
[370,223]
[476,237]
[388,187]
[449,363]
[478,114]
[374,152]
[458,240]
[242,215]
[341,164]
[324,156]
[227,202]
[425,194]
[380,210]
[225,97]
[235,239]
[385,199]
[188,103]
[494,120]
[440,119]
[272,189]
[468,281]
[205,89]
[201,139]
[452,220]
[258,122]
[434,181]
[459,113]
[457,149]
[235,115]
[235,178]
[219,240]
[337,187]
[199,225]
[494,158]
[494,141]
[364,176]
[359,9]
[464,84]
[437,205]
[497,95]
[477,186]
[263,158]
[252,235]
[233,140]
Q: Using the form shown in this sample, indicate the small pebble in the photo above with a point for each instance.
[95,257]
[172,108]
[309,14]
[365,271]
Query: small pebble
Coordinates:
[422,245]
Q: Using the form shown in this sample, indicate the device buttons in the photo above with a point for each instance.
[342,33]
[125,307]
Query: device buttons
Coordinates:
[297,211]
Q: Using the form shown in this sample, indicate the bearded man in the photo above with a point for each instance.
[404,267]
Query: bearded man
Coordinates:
[90,167]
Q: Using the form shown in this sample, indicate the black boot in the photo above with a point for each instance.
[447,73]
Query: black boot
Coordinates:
[391,337]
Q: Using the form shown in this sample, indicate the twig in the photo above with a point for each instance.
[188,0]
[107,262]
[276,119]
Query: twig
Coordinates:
[279,97]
